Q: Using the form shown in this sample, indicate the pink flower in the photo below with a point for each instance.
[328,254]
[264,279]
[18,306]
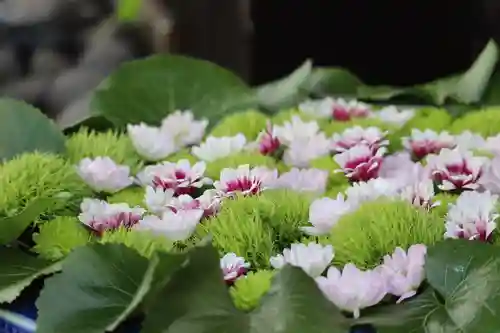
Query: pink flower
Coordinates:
[209,202]
[181,176]
[371,136]
[245,180]
[456,169]
[360,163]
[269,143]
[324,213]
[233,267]
[404,271]
[423,143]
[102,216]
[420,194]
[344,111]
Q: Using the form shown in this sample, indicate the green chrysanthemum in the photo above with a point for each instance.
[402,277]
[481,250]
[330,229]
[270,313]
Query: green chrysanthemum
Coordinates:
[286,115]
[428,118]
[340,126]
[133,196]
[143,242]
[485,122]
[335,179]
[250,123]
[377,228]
[256,227]
[117,146]
[233,161]
[37,175]
[55,239]
[248,291]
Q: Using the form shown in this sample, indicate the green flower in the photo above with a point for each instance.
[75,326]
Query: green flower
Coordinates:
[133,196]
[335,179]
[248,291]
[484,122]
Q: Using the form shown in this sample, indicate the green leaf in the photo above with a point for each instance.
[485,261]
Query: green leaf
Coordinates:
[203,305]
[18,270]
[24,128]
[99,287]
[332,81]
[148,90]
[286,92]
[13,226]
[128,10]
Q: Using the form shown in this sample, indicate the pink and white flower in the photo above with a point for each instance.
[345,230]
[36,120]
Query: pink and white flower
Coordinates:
[246,180]
[492,144]
[456,169]
[219,147]
[102,216]
[158,199]
[372,137]
[183,128]
[102,174]
[324,213]
[233,267]
[490,179]
[472,217]
[268,141]
[176,226]
[181,176]
[360,163]
[304,180]
[353,289]
[312,258]
[420,194]
[343,110]
[422,143]
[404,271]
[400,169]
[209,202]
[152,143]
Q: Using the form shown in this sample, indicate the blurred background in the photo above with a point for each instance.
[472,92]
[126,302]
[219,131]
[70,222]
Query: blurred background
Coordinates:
[54,52]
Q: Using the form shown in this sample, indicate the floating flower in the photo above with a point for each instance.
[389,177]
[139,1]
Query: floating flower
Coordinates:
[324,213]
[344,111]
[102,174]
[392,115]
[423,143]
[269,143]
[456,169]
[184,128]
[353,289]
[357,135]
[371,190]
[245,180]
[490,179]
[473,216]
[151,142]
[102,216]
[158,199]
[304,180]
[218,147]
[176,226]
[233,267]
[469,141]
[312,258]
[404,271]
[360,163]
[420,194]
[296,130]
[181,176]
[302,151]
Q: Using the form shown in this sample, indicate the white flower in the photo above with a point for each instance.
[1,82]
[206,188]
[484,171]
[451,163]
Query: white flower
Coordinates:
[184,128]
[302,151]
[101,216]
[353,289]
[360,163]
[304,180]
[470,141]
[218,147]
[176,226]
[210,201]
[404,271]
[473,216]
[371,136]
[296,129]
[158,199]
[420,194]
[233,267]
[391,114]
[321,108]
[492,144]
[324,213]
[181,176]
[423,143]
[456,169]
[373,189]
[312,258]
[151,142]
[490,179]
[246,180]
[102,174]
[400,169]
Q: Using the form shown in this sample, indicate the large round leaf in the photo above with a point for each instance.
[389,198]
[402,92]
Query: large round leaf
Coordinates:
[24,128]
[147,90]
